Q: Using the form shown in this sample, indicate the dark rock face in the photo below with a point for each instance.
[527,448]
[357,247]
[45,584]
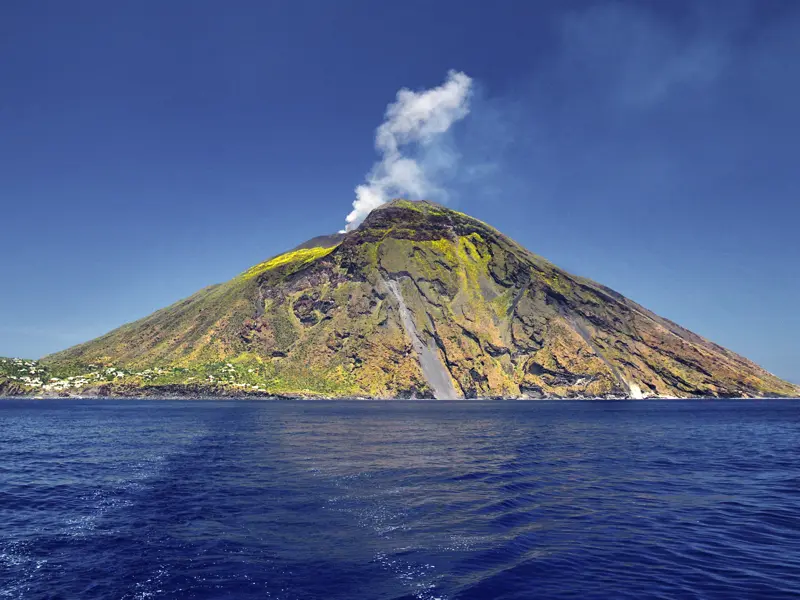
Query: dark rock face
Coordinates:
[321,241]
[322,320]
[11,388]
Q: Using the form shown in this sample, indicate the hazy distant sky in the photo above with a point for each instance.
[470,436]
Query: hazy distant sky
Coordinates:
[148,149]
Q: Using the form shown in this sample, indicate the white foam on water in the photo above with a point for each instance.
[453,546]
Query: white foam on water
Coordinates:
[369,509]
[152,586]
[104,500]
[466,543]
[15,556]
[417,577]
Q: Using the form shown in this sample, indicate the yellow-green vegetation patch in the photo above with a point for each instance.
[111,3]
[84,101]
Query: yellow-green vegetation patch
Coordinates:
[408,204]
[502,303]
[472,263]
[297,259]
[589,297]
[284,325]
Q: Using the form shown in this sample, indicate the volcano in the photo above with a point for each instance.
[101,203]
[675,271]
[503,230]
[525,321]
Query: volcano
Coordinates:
[420,301]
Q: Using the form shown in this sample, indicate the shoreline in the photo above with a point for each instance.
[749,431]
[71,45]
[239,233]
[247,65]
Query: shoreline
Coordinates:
[260,398]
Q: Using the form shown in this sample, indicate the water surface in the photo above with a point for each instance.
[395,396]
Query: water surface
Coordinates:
[380,500]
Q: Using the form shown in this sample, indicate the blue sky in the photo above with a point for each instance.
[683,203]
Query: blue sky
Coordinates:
[149,149]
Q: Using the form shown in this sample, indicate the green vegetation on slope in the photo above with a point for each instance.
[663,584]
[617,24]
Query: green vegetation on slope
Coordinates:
[295,260]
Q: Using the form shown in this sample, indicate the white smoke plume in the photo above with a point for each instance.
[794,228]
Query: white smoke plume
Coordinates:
[415,124]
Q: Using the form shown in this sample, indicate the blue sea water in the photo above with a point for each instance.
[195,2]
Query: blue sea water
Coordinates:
[391,500]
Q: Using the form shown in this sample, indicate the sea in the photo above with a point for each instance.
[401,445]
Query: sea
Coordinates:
[399,499]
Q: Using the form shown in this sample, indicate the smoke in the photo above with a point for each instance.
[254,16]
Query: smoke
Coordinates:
[413,144]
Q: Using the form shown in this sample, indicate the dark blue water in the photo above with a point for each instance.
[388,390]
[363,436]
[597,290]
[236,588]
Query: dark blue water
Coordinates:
[375,500]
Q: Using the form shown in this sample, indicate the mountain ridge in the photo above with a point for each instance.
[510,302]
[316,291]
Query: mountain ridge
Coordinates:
[418,301]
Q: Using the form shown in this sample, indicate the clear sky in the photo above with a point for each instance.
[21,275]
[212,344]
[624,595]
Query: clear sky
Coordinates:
[148,149]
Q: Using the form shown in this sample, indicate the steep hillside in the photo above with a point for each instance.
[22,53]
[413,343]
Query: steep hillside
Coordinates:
[419,301]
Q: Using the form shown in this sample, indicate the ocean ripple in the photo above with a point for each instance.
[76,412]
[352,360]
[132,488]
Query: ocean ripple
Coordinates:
[399,500]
